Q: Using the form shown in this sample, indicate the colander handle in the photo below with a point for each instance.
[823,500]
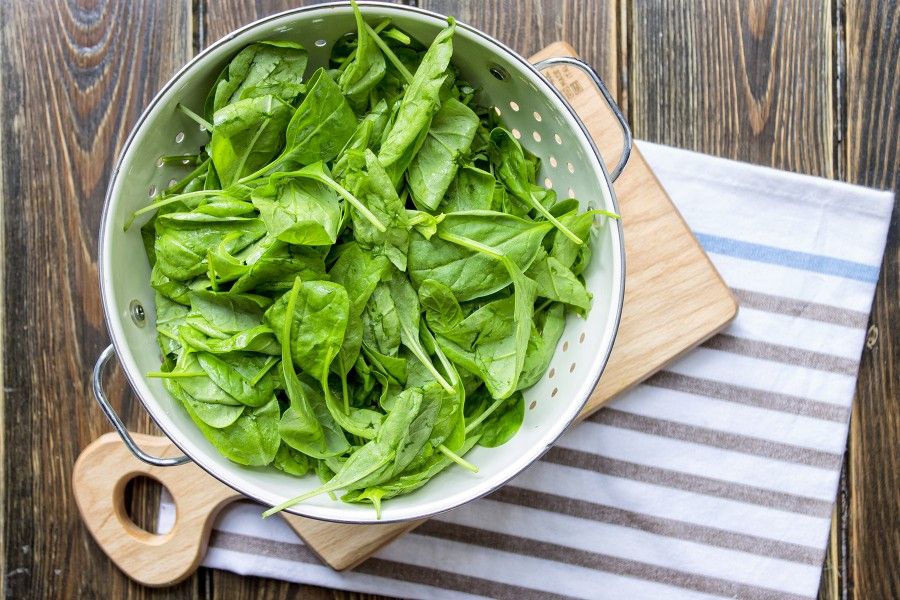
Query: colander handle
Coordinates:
[118,425]
[610,101]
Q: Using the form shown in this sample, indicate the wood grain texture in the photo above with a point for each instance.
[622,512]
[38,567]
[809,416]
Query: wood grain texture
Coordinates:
[223,17]
[765,71]
[100,477]
[745,80]
[75,76]
[872,155]
[590,26]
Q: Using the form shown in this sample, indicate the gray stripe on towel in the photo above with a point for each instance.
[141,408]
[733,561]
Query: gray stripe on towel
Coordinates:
[718,439]
[702,534]
[690,483]
[802,309]
[783,354]
[749,396]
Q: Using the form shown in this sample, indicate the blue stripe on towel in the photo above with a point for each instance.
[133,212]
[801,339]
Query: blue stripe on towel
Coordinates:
[789,258]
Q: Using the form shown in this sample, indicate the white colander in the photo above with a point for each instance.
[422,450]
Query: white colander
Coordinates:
[531,108]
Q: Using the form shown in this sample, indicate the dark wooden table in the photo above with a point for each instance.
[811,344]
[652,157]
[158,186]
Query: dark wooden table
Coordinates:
[809,86]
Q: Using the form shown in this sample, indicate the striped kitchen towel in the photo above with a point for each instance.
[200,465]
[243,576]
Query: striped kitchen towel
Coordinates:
[715,478]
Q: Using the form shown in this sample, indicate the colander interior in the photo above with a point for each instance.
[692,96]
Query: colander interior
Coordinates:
[535,114]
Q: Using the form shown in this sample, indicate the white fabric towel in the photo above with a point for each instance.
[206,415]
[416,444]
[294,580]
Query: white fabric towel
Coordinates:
[715,478]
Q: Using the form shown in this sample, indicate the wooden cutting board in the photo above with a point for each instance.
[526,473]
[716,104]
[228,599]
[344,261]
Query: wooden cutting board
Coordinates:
[674,300]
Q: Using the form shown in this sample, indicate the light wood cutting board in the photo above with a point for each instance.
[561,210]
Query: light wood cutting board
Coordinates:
[674,300]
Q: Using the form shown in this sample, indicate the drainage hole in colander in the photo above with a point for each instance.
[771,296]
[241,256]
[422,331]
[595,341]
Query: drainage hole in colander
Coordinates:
[138,316]
[160,162]
[557,138]
[517,134]
[554,392]
[179,137]
[320,43]
[172,182]
[581,338]
[537,116]
[498,72]
[570,167]
[553,162]
[498,111]
[532,405]
[513,105]
[152,191]
[536,136]
[571,193]
[548,183]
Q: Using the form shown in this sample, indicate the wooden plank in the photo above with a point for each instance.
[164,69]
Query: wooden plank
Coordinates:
[527,26]
[221,18]
[74,80]
[746,80]
[871,151]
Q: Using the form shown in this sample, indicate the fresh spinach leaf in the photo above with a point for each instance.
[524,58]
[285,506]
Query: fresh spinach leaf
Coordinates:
[299,211]
[291,461]
[318,323]
[556,282]
[542,344]
[252,439]
[233,383]
[184,239]
[440,306]
[419,104]
[321,126]
[366,69]
[260,69]
[375,190]
[517,174]
[406,304]
[467,273]
[247,134]
[299,425]
[373,461]
[472,189]
[503,423]
[434,166]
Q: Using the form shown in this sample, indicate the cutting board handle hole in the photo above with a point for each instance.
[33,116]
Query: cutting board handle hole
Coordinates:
[141,498]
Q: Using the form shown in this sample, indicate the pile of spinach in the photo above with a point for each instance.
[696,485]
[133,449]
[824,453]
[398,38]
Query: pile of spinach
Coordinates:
[359,277]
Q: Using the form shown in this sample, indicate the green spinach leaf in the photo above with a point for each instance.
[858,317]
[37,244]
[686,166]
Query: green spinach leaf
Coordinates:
[434,166]
[247,134]
[299,211]
[419,104]
[261,69]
